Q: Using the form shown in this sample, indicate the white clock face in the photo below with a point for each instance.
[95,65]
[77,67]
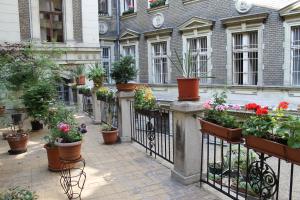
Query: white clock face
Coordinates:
[158,20]
[103,28]
[243,6]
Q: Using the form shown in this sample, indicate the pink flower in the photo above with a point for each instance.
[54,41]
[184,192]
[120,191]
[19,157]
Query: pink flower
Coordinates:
[65,128]
[235,107]
[207,105]
[221,107]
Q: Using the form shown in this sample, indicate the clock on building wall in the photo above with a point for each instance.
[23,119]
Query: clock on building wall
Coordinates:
[158,20]
[103,27]
[243,6]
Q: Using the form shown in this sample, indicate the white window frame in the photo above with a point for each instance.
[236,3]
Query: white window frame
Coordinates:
[136,45]
[288,60]
[150,41]
[198,34]
[111,45]
[167,2]
[241,29]
[122,6]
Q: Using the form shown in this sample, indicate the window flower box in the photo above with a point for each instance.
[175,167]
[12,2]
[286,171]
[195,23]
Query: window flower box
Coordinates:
[128,12]
[157,3]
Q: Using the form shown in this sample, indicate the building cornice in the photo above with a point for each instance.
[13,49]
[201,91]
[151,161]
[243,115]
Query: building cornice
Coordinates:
[238,20]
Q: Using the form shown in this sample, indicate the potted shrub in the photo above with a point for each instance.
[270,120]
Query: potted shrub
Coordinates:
[145,101]
[79,74]
[97,75]
[105,94]
[56,115]
[124,71]
[157,3]
[85,91]
[17,140]
[188,84]
[218,122]
[16,193]
[275,134]
[38,99]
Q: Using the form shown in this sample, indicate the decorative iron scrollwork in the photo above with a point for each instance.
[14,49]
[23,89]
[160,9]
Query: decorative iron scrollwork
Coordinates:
[262,179]
[151,135]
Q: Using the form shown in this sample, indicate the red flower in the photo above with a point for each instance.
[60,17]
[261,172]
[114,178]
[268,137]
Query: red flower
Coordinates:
[262,111]
[252,106]
[283,105]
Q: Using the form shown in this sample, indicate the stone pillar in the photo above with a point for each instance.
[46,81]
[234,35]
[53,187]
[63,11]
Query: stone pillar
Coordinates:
[71,97]
[187,144]
[35,20]
[69,32]
[124,116]
[96,108]
[79,102]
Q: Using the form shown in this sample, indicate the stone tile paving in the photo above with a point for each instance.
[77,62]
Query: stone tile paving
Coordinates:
[121,171]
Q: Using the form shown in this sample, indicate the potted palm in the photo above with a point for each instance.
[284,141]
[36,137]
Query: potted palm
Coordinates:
[124,71]
[79,74]
[97,75]
[216,120]
[38,99]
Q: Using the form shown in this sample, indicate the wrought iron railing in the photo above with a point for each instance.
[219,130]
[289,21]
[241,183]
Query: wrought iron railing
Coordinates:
[153,130]
[242,173]
[87,105]
[109,109]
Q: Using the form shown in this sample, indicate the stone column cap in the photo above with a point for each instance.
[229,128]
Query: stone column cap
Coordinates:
[125,95]
[186,106]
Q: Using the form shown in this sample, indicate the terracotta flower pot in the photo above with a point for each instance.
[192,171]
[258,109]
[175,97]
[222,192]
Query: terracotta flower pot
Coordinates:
[17,143]
[36,125]
[128,87]
[293,155]
[228,134]
[110,137]
[54,163]
[266,146]
[69,151]
[80,80]
[188,89]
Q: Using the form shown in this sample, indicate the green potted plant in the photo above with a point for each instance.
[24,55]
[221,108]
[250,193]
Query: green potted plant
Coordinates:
[79,74]
[18,193]
[85,91]
[97,75]
[17,139]
[275,134]
[124,71]
[105,94]
[145,101]
[216,120]
[38,99]
[56,115]
[157,3]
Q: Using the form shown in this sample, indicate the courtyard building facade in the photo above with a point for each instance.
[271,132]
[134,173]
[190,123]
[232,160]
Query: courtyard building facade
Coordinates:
[249,47]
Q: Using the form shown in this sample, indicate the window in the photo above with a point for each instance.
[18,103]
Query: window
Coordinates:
[245,58]
[128,6]
[106,62]
[129,51]
[159,60]
[295,55]
[103,7]
[51,20]
[198,49]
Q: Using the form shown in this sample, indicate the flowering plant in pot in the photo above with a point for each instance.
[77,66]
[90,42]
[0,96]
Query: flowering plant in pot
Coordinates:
[145,101]
[124,71]
[216,120]
[105,94]
[85,91]
[97,75]
[188,84]
[56,115]
[68,139]
[274,133]
[78,73]
[157,3]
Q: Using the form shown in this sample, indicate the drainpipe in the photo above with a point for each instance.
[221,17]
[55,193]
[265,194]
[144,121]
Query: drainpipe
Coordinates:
[118,30]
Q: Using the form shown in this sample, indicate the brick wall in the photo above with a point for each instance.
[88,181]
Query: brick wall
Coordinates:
[24,18]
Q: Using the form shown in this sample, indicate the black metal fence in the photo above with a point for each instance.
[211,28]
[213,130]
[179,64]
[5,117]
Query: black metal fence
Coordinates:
[87,104]
[109,110]
[242,173]
[153,129]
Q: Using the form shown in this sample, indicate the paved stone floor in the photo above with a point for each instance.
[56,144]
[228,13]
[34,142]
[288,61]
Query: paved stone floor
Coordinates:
[121,171]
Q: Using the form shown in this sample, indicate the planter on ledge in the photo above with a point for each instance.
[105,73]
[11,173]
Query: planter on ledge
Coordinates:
[273,149]
[227,134]
[188,89]
[110,137]
[126,87]
[69,151]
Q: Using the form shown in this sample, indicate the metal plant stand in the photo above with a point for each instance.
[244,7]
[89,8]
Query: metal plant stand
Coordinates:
[72,177]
